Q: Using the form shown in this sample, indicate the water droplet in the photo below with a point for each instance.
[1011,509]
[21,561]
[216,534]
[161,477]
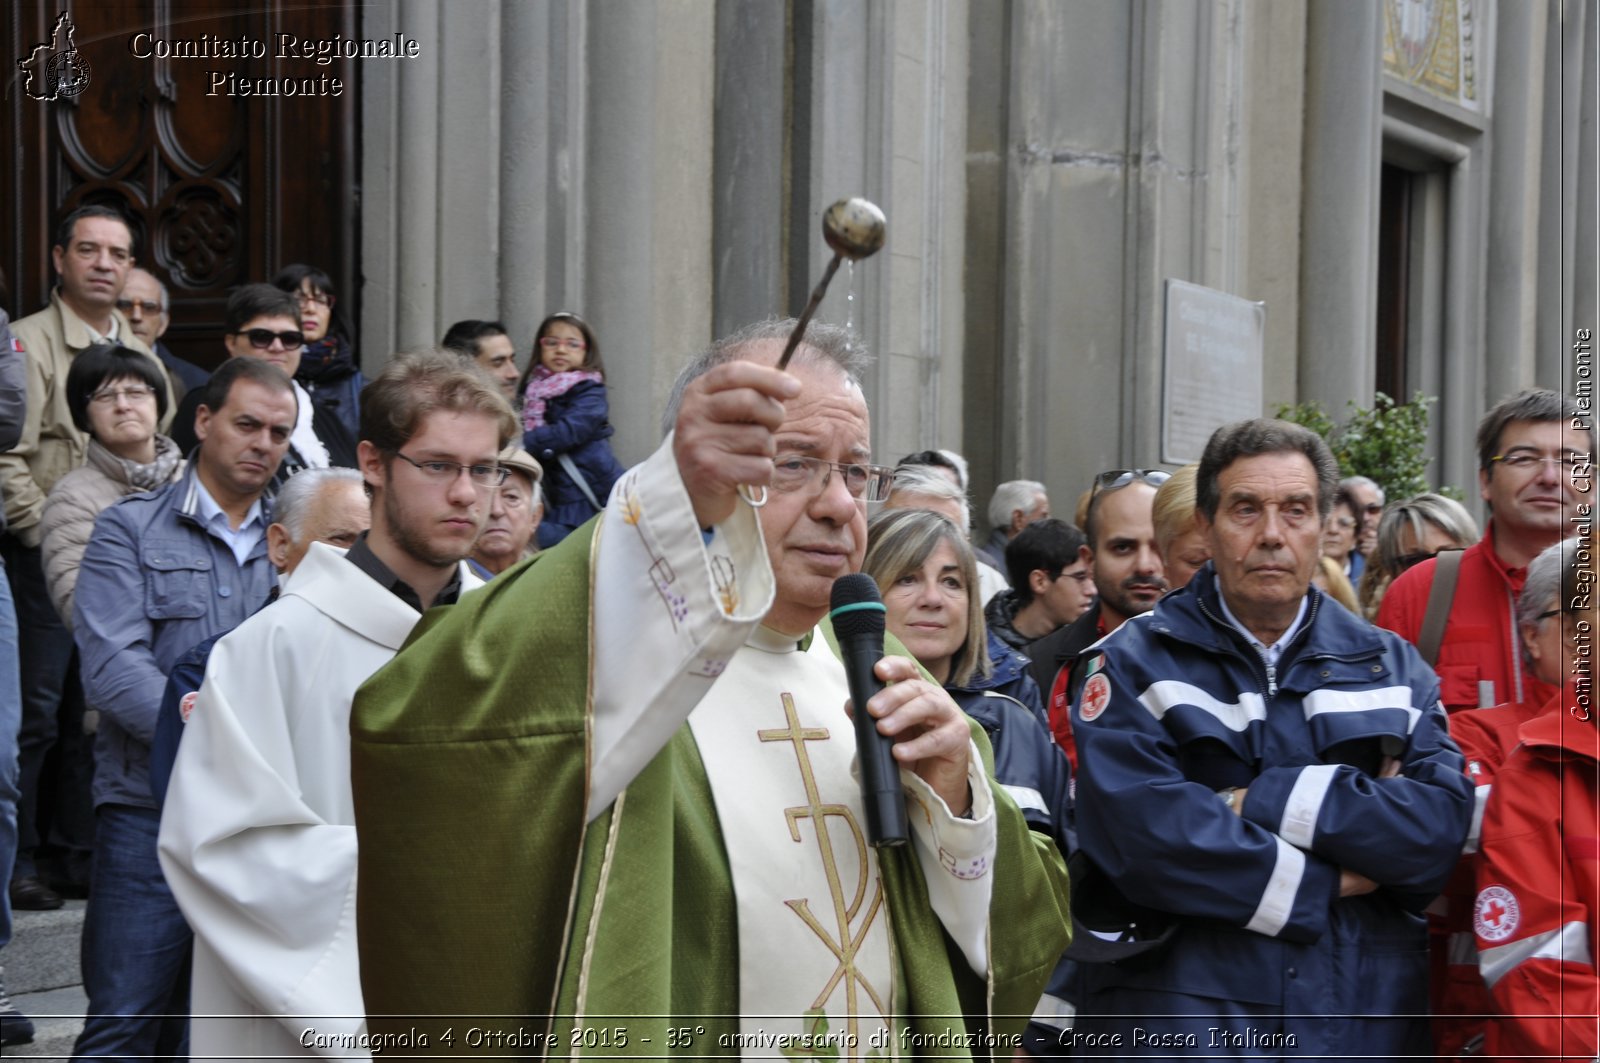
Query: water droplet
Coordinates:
[850,294]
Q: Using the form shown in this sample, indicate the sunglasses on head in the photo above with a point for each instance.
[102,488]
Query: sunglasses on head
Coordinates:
[261,338]
[1112,479]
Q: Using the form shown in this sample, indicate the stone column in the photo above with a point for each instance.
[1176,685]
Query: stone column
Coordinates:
[1515,190]
[527,43]
[1339,219]
[647,223]
[1585,284]
[416,179]
[1562,242]
[468,149]
[752,141]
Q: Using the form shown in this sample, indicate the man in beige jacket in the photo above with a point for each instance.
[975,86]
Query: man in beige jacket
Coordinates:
[92,256]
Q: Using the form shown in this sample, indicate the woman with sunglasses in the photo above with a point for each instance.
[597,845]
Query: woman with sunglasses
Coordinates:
[567,424]
[328,368]
[1409,533]
[116,396]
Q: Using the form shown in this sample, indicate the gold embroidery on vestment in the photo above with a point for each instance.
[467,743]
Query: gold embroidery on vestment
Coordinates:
[849,939]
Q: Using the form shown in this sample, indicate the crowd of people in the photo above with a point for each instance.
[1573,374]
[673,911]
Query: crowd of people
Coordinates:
[1242,760]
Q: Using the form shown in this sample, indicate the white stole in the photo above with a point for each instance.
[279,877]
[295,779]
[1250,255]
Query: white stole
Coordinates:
[814,929]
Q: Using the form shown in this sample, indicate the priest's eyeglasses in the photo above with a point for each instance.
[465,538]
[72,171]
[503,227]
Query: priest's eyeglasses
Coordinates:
[798,472]
[447,471]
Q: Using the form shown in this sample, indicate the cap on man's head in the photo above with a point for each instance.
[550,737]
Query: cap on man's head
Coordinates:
[514,457]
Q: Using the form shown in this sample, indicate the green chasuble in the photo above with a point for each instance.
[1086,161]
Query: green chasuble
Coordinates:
[493,920]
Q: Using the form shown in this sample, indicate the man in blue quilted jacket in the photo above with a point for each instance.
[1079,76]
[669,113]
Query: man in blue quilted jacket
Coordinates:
[1271,776]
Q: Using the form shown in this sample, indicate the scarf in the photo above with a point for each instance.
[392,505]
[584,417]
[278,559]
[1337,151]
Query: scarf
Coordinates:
[304,440]
[543,385]
[156,474]
[326,361]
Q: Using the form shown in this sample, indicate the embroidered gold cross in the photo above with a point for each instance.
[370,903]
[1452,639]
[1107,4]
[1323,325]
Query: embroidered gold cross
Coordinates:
[848,941]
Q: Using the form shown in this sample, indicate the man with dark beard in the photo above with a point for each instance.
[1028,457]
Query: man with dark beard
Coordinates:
[258,835]
[1129,578]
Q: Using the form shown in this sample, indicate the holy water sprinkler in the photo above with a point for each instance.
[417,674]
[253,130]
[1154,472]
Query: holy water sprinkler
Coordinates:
[854,228]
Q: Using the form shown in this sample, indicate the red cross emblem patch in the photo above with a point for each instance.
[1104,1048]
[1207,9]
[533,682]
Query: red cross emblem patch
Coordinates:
[186,704]
[1096,696]
[1496,914]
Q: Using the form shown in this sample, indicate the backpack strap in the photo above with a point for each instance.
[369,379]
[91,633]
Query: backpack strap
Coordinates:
[1441,595]
[578,478]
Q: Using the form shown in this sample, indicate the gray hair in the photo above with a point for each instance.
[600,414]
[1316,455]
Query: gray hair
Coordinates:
[1263,435]
[1362,481]
[1446,514]
[300,490]
[1012,496]
[1551,578]
[160,287]
[833,343]
[961,469]
[929,482]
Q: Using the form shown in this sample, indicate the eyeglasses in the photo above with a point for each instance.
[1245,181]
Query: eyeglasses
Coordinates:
[1113,479]
[320,298]
[550,343]
[147,306]
[447,471]
[1522,460]
[866,483]
[1081,577]
[131,393]
[1558,611]
[261,338]
[1372,508]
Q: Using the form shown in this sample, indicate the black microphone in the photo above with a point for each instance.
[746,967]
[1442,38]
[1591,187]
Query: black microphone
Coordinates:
[858,617]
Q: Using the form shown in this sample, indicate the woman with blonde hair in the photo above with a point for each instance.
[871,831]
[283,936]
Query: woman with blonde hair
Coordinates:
[927,576]
[1182,547]
[926,573]
[1409,533]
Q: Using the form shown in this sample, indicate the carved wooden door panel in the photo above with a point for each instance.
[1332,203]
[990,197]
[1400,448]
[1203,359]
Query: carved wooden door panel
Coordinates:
[220,189]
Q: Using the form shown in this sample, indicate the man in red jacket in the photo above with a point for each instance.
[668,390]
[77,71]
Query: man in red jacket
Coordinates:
[1535,473]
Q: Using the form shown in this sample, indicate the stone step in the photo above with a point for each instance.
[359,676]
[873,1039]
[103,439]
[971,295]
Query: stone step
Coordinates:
[57,1016]
[43,953]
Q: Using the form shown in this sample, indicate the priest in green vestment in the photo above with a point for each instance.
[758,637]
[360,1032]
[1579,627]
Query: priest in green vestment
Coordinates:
[607,804]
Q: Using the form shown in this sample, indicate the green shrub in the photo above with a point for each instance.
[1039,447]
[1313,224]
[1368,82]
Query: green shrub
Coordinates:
[1386,442]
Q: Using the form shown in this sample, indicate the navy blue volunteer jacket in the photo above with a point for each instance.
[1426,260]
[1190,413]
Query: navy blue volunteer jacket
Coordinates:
[1177,705]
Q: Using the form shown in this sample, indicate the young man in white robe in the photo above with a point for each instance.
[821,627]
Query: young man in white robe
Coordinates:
[684,844]
[257,833]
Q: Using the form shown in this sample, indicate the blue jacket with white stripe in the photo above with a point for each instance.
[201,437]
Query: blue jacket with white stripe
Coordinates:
[1187,708]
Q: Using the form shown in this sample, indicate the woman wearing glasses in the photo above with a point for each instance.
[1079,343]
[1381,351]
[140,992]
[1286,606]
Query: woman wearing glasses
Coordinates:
[117,396]
[328,368]
[567,424]
[1341,532]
